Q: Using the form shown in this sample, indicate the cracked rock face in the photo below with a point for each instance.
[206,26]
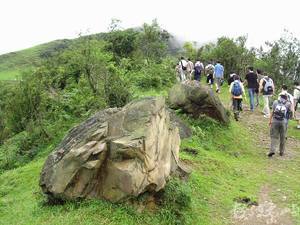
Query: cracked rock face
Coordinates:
[116,154]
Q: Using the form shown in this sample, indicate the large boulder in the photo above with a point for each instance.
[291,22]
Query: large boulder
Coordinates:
[196,99]
[116,154]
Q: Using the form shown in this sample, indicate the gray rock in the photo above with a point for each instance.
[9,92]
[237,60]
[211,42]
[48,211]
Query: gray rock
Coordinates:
[117,154]
[195,100]
[184,130]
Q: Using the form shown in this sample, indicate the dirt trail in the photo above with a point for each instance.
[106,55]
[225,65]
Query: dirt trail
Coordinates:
[265,212]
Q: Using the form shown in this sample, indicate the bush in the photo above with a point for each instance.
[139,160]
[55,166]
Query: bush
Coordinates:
[117,90]
[155,75]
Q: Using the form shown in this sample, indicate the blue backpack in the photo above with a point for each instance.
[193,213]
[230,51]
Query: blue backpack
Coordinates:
[237,89]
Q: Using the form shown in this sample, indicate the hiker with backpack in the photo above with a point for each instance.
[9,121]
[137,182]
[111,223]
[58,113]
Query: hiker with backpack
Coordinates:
[219,76]
[278,123]
[183,69]
[190,69]
[296,95]
[237,91]
[251,81]
[198,68]
[209,70]
[290,99]
[267,88]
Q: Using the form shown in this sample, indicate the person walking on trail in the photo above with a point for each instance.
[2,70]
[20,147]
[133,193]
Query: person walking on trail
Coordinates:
[296,95]
[237,91]
[218,76]
[290,98]
[259,77]
[251,81]
[209,70]
[183,64]
[190,69]
[278,123]
[267,88]
[198,68]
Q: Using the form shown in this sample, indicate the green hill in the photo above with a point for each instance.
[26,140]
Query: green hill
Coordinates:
[12,64]
[231,179]
[228,164]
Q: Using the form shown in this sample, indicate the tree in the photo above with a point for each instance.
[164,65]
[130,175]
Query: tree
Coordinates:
[121,43]
[152,42]
[190,50]
[114,25]
[232,53]
[282,58]
[91,60]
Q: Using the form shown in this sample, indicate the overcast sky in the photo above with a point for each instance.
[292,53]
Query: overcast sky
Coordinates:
[25,23]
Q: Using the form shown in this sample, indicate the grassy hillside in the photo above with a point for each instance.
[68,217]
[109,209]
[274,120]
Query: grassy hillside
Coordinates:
[228,163]
[12,64]
[230,170]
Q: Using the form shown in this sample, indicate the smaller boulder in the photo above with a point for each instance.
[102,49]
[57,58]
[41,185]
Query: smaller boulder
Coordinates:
[196,99]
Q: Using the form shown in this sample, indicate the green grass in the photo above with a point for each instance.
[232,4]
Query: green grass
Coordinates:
[12,64]
[293,131]
[227,166]
[10,75]
[217,168]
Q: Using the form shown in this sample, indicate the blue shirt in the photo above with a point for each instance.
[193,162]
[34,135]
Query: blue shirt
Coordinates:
[219,70]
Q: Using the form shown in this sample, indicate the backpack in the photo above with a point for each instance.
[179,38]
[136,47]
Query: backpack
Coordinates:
[209,69]
[198,69]
[236,89]
[268,87]
[280,111]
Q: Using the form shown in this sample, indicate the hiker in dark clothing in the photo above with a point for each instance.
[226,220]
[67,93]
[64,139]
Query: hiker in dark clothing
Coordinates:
[198,68]
[251,81]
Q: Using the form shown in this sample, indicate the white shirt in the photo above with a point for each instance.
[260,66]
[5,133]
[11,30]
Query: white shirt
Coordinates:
[190,66]
[198,63]
[297,93]
[183,63]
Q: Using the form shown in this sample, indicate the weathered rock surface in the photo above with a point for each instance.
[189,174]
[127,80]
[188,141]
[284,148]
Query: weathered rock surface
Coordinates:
[184,130]
[116,154]
[195,99]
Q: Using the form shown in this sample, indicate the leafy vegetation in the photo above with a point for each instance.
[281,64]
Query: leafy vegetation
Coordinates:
[64,82]
[75,79]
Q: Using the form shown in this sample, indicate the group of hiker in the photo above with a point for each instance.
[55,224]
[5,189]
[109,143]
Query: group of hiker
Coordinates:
[258,84]
[187,70]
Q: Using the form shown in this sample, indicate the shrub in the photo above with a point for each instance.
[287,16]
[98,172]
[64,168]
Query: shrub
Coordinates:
[155,75]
